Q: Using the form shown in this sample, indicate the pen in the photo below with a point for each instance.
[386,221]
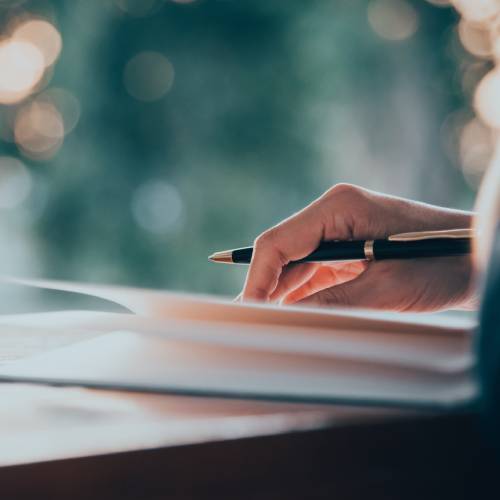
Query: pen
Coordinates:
[397,246]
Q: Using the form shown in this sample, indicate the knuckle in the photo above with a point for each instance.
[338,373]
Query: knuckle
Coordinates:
[267,245]
[268,239]
[258,293]
[344,188]
[263,240]
[348,192]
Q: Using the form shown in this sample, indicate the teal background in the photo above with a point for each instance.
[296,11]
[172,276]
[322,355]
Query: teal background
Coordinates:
[271,104]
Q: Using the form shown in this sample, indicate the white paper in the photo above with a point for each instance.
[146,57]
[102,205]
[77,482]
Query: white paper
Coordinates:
[191,344]
[132,361]
[446,353]
[175,305]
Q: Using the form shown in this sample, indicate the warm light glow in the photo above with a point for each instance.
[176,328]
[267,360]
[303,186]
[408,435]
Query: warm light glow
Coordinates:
[39,130]
[67,105]
[148,76]
[475,38]
[477,11]
[42,35]
[494,33]
[487,99]
[476,147]
[393,19]
[15,182]
[472,74]
[21,68]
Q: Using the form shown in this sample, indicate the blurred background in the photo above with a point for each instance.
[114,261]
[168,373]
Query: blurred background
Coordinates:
[139,136]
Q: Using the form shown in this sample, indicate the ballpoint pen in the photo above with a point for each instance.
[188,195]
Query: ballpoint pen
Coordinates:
[397,246]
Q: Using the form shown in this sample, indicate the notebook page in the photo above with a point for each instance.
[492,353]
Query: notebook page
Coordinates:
[445,353]
[164,304]
[131,361]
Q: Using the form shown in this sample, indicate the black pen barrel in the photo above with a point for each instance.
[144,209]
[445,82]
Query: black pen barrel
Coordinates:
[436,247]
[336,250]
[382,249]
[326,251]
[242,255]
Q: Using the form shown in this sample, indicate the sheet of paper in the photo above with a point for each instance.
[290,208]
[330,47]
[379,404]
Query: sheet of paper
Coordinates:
[133,361]
[189,344]
[164,304]
[447,353]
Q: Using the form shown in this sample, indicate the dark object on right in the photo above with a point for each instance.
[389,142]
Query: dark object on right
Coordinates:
[489,345]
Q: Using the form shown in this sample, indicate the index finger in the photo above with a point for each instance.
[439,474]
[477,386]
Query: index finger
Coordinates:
[292,239]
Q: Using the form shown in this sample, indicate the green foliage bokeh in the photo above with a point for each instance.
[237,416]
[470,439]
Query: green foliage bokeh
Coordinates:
[272,103]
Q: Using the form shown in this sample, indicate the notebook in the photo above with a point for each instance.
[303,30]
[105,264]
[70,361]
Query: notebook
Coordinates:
[203,345]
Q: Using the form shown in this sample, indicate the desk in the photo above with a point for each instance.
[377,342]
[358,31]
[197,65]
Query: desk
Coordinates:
[61,443]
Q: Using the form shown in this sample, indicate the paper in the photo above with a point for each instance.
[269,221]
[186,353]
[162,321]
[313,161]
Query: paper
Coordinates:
[164,304]
[200,345]
[447,353]
[131,361]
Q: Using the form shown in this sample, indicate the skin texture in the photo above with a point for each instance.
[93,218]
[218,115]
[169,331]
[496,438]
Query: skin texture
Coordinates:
[350,212]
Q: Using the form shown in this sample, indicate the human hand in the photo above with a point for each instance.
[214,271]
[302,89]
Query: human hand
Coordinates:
[348,212]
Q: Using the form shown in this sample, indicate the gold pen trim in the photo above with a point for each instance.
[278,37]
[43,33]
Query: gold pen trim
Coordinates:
[225,257]
[368,249]
[428,235]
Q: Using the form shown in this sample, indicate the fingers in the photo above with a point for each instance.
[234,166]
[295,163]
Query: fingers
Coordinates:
[292,277]
[264,272]
[325,277]
[353,293]
[291,240]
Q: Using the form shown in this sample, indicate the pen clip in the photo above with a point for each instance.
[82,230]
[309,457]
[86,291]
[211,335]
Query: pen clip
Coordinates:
[428,235]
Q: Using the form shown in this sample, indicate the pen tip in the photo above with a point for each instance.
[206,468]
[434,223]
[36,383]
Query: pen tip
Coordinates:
[225,257]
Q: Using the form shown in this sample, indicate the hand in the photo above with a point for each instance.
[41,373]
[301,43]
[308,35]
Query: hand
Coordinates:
[349,212]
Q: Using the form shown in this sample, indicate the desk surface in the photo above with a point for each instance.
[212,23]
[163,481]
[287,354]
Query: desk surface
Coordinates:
[55,419]
[81,443]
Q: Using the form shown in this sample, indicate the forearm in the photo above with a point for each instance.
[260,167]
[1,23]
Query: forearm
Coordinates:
[408,215]
[428,217]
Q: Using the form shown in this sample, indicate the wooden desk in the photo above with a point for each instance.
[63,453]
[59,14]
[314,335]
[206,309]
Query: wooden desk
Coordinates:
[75,443]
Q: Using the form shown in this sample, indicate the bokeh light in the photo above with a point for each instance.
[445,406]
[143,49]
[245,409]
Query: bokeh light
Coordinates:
[66,103]
[475,38]
[477,11]
[476,147]
[39,130]
[21,69]
[15,182]
[157,206]
[479,33]
[487,98]
[393,19]
[345,88]
[472,73]
[42,35]
[148,76]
